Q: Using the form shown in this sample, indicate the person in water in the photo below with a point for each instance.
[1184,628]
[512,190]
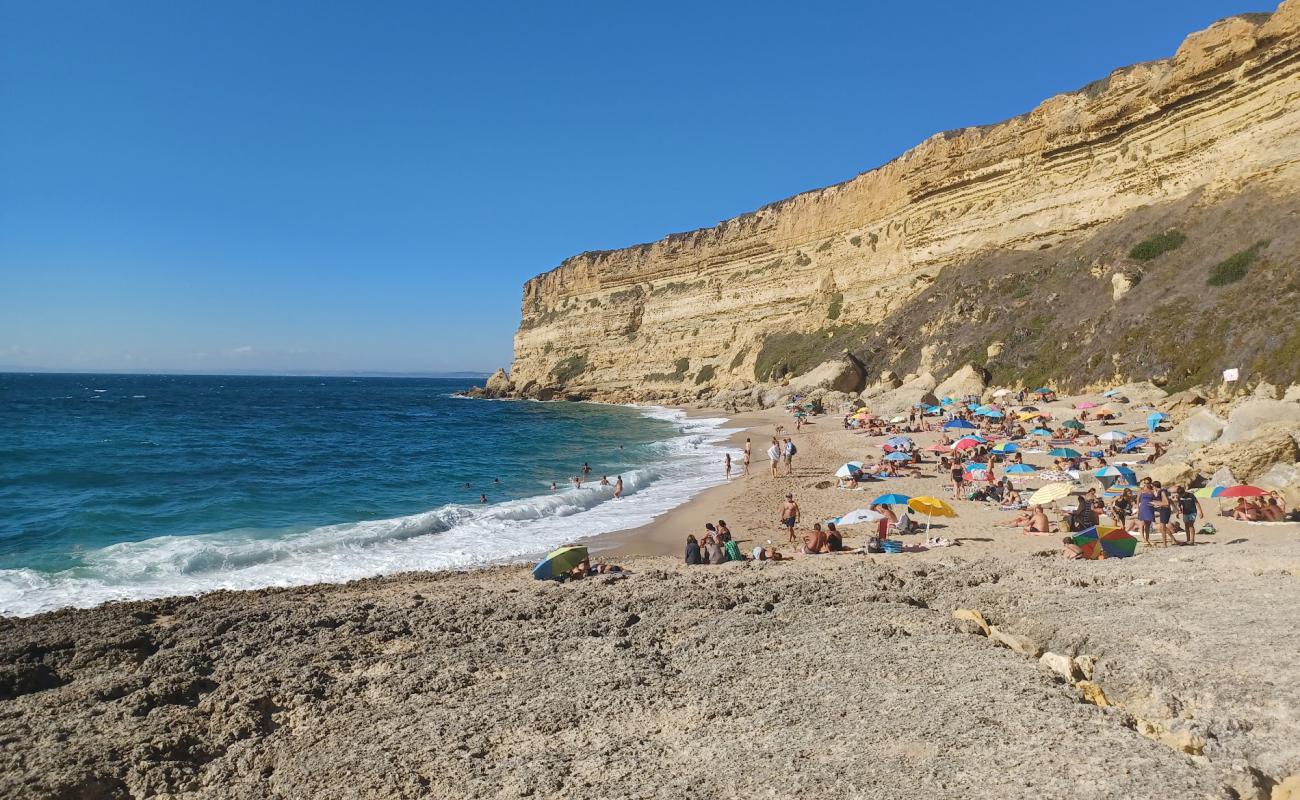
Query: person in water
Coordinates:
[482,499]
[618,487]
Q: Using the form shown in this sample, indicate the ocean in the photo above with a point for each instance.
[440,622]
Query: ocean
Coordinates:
[137,486]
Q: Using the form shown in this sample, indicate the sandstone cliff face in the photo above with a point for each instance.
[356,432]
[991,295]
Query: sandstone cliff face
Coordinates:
[699,311]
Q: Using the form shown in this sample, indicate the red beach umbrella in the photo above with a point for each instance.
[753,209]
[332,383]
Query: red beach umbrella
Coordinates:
[1243,491]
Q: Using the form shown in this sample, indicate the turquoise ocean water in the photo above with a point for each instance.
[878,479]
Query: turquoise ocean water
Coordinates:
[134,486]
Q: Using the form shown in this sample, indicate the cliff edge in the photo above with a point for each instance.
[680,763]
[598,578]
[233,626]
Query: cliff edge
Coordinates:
[1142,227]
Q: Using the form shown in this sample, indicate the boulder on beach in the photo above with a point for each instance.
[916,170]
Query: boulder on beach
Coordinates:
[1247,417]
[843,374]
[1200,428]
[898,401]
[1172,473]
[1249,458]
[965,382]
[1142,393]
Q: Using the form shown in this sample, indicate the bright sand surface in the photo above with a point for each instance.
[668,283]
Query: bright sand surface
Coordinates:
[750,505]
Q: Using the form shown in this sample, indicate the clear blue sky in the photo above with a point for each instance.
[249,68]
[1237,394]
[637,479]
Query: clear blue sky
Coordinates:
[347,185]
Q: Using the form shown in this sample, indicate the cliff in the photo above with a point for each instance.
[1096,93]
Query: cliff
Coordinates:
[1144,226]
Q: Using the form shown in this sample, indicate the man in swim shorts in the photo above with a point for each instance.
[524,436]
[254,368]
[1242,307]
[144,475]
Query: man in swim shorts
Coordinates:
[789,516]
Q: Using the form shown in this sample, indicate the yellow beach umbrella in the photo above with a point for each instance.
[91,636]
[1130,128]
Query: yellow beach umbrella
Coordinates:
[1028,415]
[1050,493]
[930,507]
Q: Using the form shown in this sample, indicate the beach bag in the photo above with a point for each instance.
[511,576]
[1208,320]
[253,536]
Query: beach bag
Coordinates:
[793,450]
[873,546]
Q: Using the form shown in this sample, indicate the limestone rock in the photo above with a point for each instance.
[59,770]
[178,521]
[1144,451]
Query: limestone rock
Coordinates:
[971,616]
[1021,644]
[1248,416]
[1292,393]
[1176,472]
[994,350]
[1086,666]
[1061,665]
[499,384]
[967,381]
[1287,789]
[844,374]
[1122,282]
[1142,393]
[1182,404]
[1200,428]
[900,400]
[1285,478]
[1092,693]
[1266,391]
[1251,457]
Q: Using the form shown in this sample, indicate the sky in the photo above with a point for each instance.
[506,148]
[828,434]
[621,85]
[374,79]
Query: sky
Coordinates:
[297,186]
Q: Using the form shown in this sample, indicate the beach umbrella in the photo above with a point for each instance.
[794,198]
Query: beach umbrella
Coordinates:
[930,507]
[965,443]
[891,500]
[859,516]
[1243,490]
[1209,491]
[1074,424]
[1105,541]
[1020,469]
[1064,452]
[939,448]
[849,470]
[1029,408]
[1113,436]
[1041,432]
[992,414]
[559,562]
[898,441]
[1025,416]
[947,401]
[934,410]
[1006,447]
[1096,454]
[1086,405]
[898,455]
[958,423]
[1110,393]
[897,419]
[1041,390]
[1050,493]
[1112,475]
[1133,445]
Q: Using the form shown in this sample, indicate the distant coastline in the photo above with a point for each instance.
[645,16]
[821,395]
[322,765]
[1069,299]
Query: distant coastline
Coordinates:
[468,375]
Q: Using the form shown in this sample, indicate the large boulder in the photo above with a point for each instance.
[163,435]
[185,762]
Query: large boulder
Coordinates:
[1292,393]
[918,390]
[889,381]
[1200,428]
[965,382]
[843,374]
[1247,417]
[1266,391]
[1249,458]
[1182,404]
[1172,473]
[1285,478]
[775,396]
[499,384]
[1142,393]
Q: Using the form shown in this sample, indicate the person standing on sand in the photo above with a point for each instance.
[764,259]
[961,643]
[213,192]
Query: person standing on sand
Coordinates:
[1188,509]
[618,487]
[788,451]
[726,465]
[789,516]
[774,455]
[744,464]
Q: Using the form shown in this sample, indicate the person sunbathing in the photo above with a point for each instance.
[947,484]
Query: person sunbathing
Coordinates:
[585,569]
[1270,511]
[1038,522]
[1070,550]
[1245,511]
[814,541]
[1022,519]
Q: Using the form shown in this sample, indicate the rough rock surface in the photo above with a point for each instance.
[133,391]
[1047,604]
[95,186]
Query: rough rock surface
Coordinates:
[1246,418]
[844,374]
[969,381]
[1249,458]
[489,684]
[1201,427]
[854,261]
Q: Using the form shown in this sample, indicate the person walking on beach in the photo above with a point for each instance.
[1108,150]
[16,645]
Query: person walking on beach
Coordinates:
[789,516]
[789,452]
[774,455]
[618,487]
[744,464]
[1189,508]
[726,465]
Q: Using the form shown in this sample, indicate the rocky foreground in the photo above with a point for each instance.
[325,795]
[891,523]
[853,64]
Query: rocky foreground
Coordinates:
[1168,675]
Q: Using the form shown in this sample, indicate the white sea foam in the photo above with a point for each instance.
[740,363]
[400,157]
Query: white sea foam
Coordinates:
[450,537]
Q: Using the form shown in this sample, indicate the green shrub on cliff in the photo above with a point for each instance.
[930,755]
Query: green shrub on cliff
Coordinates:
[569,368]
[837,305]
[1157,245]
[1234,267]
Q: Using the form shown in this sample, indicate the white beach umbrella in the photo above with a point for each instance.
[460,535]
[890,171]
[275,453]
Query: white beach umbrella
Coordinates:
[860,516]
[849,469]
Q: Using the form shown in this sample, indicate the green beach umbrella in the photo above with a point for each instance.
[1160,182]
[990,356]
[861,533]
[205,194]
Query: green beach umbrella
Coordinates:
[559,562]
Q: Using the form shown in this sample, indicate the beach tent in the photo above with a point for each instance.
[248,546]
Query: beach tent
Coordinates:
[891,500]
[558,562]
[1105,541]
[849,470]
[859,516]
[1020,469]
[930,507]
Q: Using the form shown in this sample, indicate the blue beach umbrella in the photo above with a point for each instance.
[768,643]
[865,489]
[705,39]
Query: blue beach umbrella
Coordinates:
[934,410]
[898,441]
[1006,447]
[947,401]
[898,456]
[991,414]
[1115,474]
[891,500]
[1110,393]
[1133,445]
[1020,469]
[1065,452]
[1041,432]
[958,423]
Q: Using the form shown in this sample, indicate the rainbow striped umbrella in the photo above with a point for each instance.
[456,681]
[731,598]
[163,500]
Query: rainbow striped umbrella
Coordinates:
[1104,541]
[559,562]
